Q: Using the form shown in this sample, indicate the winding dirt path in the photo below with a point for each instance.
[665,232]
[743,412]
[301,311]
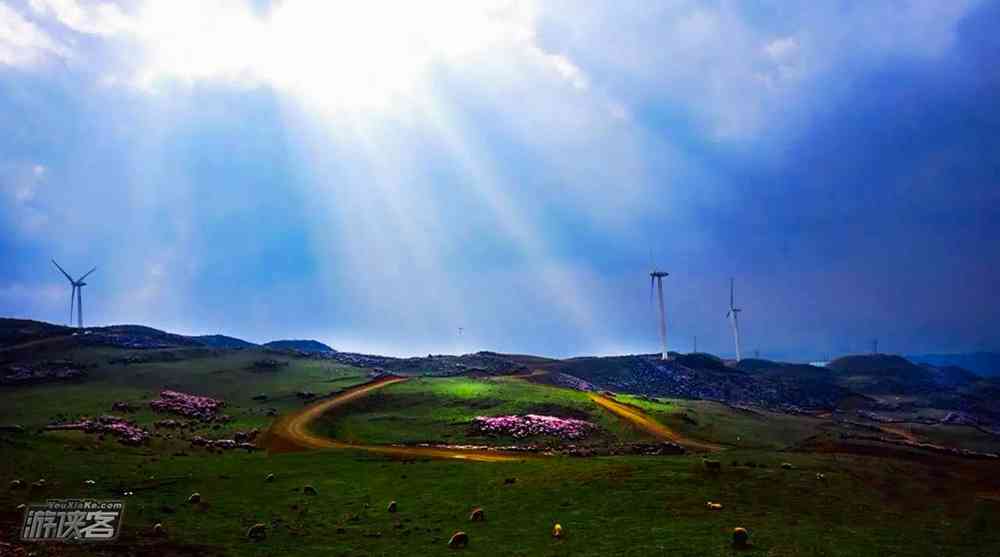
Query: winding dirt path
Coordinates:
[291,432]
[900,431]
[639,419]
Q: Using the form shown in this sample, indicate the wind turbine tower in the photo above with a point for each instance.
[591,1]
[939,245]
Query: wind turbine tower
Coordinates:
[76,294]
[734,316]
[656,278]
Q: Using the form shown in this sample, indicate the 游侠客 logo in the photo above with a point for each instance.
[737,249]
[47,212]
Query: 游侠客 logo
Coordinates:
[73,520]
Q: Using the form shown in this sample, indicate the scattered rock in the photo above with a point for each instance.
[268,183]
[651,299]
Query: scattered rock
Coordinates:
[90,482]
[269,478]
[16,484]
[821,476]
[158,530]
[509,481]
[194,498]
[268,364]
[309,490]
[786,466]
[257,532]
[477,515]
[39,484]
[392,507]
[459,540]
[122,406]
[741,538]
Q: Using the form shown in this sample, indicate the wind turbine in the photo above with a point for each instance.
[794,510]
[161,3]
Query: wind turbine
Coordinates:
[734,316]
[656,278]
[76,295]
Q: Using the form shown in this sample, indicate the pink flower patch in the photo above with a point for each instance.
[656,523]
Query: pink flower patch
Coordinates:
[530,425]
[193,406]
[125,431]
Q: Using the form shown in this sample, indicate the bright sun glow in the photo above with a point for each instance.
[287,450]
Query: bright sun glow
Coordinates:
[338,55]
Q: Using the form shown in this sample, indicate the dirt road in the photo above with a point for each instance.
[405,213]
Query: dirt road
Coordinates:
[291,432]
[639,419]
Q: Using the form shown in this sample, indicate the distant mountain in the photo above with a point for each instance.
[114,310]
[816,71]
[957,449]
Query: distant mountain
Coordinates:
[26,332]
[222,341]
[310,346]
[983,363]
[890,374]
[704,376]
[17,331]
[135,336]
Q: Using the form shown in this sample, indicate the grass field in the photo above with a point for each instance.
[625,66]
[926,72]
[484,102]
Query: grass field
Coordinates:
[228,376]
[608,506]
[915,505]
[439,410]
[718,423]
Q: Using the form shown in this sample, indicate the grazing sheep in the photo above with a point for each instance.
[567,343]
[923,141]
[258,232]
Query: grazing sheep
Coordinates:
[821,476]
[557,531]
[16,484]
[309,490]
[90,482]
[158,530]
[269,478]
[712,464]
[458,540]
[257,532]
[392,507]
[39,484]
[714,506]
[786,466]
[194,498]
[477,515]
[741,538]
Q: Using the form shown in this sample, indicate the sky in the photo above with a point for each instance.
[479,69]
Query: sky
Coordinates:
[381,175]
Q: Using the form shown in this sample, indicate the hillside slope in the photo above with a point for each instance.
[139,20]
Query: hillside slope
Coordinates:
[308,346]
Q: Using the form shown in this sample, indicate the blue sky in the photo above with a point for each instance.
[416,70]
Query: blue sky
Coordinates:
[378,175]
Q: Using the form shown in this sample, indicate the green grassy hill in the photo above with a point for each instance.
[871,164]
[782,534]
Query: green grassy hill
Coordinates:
[873,497]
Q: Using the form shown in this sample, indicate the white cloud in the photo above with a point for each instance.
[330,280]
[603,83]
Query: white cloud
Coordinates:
[740,68]
[99,18]
[567,69]
[24,44]
[336,55]
[782,48]
[20,184]
[38,296]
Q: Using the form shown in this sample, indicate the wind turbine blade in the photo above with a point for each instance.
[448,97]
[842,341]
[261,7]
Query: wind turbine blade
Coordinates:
[65,274]
[86,275]
[732,292]
[72,302]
